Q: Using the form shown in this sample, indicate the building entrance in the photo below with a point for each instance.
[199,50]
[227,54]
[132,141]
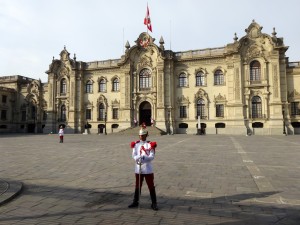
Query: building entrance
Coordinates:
[145,113]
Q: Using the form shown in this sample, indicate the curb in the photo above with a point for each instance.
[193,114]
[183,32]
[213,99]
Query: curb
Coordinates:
[10,190]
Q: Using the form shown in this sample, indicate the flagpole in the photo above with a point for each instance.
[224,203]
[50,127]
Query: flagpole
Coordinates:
[147,14]
[170,34]
[123,47]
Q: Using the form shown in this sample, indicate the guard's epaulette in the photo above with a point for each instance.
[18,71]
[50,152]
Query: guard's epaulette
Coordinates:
[132,144]
[153,144]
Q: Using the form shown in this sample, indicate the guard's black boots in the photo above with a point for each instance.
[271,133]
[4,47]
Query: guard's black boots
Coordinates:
[153,199]
[135,202]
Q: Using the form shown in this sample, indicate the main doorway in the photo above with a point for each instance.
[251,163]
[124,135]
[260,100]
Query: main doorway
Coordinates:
[145,113]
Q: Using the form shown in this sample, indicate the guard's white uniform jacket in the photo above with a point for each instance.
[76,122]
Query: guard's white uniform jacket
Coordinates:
[144,150]
[61,132]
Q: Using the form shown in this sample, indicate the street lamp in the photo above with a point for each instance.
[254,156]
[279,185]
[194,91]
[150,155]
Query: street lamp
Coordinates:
[169,132]
[105,118]
[284,132]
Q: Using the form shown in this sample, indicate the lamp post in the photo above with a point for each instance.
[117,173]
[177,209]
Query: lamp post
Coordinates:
[105,118]
[284,132]
[169,122]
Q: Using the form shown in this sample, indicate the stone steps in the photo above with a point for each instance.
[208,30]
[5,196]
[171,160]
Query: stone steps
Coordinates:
[153,131]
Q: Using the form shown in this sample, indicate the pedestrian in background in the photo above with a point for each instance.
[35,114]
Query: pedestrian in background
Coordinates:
[61,134]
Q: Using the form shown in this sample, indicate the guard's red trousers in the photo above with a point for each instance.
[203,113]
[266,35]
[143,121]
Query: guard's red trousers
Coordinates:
[149,180]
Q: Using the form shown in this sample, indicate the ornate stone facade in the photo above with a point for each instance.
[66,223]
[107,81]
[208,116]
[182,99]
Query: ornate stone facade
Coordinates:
[246,87]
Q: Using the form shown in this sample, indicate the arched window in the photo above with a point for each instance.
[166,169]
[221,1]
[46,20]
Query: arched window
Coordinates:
[201,108]
[182,80]
[200,79]
[116,84]
[102,85]
[89,86]
[63,86]
[63,113]
[256,107]
[101,112]
[218,78]
[255,71]
[145,79]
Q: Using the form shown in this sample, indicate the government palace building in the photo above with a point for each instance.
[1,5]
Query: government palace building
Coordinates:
[247,87]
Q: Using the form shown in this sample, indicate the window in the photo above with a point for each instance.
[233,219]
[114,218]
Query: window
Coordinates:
[295,108]
[183,125]
[63,87]
[145,79]
[257,125]
[4,98]
[88,114]
[116,85]
[102,85]
[115,113]
[183,113]
[101,112]
[182,80]
[200,79]
[218,78]
[3,115]
[256,107]
[220,125]
[219,110]
[115,126]
[89,87]
[63,113]
[201,108]
[255,71]
[23,117]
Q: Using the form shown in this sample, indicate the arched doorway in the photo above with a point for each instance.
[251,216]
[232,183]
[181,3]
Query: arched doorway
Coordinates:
[145,113]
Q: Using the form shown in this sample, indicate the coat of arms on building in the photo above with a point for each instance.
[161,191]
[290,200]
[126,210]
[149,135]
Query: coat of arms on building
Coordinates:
[144,40]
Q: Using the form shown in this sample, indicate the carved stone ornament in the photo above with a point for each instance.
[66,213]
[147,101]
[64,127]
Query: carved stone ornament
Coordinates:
[256,92]
[201,94]
[144,40]
[220,98]
[115,103]
[254,52]
[102,99]
[145,61]
[294,94]
[183,100]
[33,88]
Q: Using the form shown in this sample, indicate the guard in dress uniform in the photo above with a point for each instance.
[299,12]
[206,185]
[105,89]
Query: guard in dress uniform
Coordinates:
[143,153]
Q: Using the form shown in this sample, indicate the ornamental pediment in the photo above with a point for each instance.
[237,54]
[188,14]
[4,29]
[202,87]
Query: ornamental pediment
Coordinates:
[294,94]
[115,103]
[220,97]
[183,100]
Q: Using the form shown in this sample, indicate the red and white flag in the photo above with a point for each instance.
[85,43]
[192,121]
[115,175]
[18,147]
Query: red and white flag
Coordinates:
[147,20]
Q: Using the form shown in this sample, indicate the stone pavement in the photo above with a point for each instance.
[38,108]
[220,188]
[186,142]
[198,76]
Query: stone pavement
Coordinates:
[212,179]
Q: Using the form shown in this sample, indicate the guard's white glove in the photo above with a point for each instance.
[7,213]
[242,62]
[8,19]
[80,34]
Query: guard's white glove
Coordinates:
[139,159]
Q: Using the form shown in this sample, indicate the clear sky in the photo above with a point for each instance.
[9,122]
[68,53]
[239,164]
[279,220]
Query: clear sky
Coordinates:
[33,31]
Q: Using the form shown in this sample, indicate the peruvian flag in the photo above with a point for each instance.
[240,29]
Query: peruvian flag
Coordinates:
[147,20]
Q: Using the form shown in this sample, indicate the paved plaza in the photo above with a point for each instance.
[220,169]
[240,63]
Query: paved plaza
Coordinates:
[211,179]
